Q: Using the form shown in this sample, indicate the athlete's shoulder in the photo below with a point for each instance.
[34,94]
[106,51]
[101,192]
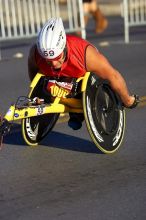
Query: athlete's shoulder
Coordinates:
[72,38]
[33,49]
[32,56]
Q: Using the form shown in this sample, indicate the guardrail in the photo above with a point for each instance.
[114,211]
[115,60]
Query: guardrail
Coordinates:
[134,15]
[24,18]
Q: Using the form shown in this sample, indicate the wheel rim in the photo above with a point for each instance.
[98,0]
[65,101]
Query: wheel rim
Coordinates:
[106,132]
[106,111]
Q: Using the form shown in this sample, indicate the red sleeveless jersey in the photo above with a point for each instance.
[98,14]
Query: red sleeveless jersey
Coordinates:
[75,64]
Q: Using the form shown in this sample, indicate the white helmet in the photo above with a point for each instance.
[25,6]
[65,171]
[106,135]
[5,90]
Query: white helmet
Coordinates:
[52,39]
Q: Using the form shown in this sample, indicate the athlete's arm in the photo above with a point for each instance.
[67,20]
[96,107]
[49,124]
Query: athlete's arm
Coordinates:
[32,66]
[97,63]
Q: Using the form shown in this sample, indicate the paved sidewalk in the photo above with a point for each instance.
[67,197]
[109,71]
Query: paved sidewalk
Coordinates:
[109,1]
[108,7]
[111,7]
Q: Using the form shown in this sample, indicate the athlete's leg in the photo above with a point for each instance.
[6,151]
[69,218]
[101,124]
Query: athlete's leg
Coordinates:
[75,121]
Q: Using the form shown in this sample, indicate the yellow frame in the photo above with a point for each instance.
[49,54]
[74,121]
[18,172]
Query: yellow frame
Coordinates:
[60,105]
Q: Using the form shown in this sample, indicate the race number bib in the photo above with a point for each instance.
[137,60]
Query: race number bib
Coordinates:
[59,89]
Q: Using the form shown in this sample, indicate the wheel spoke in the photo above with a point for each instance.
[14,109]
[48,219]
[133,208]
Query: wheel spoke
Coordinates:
[105,119]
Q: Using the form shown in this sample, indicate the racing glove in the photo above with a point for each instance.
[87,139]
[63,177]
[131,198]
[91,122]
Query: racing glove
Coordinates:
[135,103]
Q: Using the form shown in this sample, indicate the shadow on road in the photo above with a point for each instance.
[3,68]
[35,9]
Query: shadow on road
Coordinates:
[54,139]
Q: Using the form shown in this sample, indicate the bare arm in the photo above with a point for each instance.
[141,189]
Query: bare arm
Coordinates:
[32,66]
[98,64]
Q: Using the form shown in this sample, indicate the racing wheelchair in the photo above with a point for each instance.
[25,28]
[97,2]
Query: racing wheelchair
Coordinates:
[103,111]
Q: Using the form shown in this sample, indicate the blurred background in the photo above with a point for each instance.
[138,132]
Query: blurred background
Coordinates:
[64,179]
[24,18]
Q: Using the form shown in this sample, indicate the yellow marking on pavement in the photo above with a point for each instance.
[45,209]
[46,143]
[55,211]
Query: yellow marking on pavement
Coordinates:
[104,44]
[18,55]
[143,98]
[142,101]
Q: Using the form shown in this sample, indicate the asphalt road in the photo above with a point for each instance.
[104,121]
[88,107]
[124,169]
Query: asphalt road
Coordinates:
[65,177]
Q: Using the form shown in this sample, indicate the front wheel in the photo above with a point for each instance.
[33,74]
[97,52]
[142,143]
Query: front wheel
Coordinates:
[104,115]
[35,129]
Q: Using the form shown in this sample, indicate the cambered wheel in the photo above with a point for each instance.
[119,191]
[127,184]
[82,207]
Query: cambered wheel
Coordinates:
[34,129]
[104,115]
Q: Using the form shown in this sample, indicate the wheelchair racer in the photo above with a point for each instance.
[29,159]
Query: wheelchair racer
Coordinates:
[56,54]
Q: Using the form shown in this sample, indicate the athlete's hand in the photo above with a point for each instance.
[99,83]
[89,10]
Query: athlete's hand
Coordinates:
[135,102]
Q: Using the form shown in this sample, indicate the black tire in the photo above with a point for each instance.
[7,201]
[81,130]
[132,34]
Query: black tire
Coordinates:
[104,115]
[34,129]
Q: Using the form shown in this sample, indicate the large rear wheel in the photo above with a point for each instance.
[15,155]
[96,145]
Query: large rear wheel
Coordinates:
[104,115]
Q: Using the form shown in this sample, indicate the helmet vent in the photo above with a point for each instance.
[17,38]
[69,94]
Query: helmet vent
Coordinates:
[50,27]
[52,39]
